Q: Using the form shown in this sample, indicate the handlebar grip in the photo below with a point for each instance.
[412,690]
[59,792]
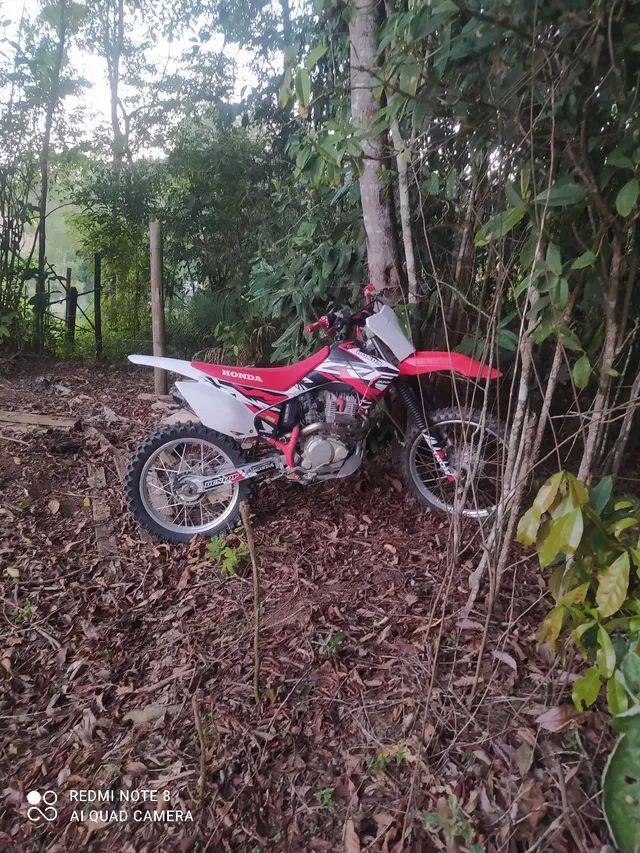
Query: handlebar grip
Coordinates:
[322,323]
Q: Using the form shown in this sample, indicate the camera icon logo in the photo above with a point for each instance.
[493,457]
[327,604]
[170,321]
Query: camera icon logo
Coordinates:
[42,806]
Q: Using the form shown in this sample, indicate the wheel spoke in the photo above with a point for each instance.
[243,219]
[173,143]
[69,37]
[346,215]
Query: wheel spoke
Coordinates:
[166,475]
[474,452]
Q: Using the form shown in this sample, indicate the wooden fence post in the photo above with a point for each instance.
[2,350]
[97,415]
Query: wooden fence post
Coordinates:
[157,303]
[72,307]
[97,304]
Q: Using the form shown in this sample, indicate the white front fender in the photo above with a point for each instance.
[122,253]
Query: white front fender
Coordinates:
[218,410]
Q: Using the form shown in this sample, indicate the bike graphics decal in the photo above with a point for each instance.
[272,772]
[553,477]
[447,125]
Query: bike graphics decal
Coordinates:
[222,480]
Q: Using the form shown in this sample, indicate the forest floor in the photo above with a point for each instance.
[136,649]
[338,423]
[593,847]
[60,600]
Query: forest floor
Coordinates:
[127,664]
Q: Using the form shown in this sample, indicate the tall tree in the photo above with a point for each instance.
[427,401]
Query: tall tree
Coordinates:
[375,189]
[52,101]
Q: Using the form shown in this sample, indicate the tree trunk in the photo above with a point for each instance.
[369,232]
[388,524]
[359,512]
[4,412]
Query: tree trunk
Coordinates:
[52,102]
[378,225]
[286,23]
[403,153]
[598,411]
[627,423]
[113,52]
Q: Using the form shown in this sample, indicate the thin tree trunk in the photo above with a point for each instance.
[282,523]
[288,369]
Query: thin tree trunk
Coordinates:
[113,68]
[627,423]
[403,152]
[378,224]
[286,22]
[39,306]
[608,355]
[464,260]
[552,380]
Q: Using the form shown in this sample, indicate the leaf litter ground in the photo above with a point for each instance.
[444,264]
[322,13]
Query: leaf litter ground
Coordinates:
[127,664]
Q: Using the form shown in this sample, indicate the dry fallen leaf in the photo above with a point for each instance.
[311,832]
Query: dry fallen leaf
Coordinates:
[524,758]
[351,840]
[532,804]
[141,716]
[503,657]
[556,718]
[467,681]
[184,578]
[470,625]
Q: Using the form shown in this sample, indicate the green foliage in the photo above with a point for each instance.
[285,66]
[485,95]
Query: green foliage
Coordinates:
[499,225]
[621,779]
[378,762]
[597,586]
[453,822]
[319,262]
[627,197]
[324,797]
[227,553]
[23,613]
[332,642]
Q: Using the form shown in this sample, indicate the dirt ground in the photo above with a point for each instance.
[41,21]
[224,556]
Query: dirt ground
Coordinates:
[127,664]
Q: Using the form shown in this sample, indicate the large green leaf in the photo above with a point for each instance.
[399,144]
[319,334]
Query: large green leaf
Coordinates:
[576,595]
[528,527]
[586,259]
[581,372]
[284,95]
[600,494]
[617,698]
[627,197]
[410,77]
[552,625]
[499,225]
[606,654]
[563,537]
[547,492]
[621,790]
[630,667]
[568,338]
[507,340]
[620,160]
[562,194]
[424,22]
[586,688]
[432,184]
[612,586]
[316,54]
[554,259]
[560,293]
[303,88]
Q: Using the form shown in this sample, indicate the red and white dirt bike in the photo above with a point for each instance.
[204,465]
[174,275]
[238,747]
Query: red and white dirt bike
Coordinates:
[309,422]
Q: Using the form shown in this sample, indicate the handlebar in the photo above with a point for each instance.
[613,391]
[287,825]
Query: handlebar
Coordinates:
[322,323]
[345,317]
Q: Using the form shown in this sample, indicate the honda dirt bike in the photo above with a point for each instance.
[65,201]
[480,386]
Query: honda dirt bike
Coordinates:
[309,422]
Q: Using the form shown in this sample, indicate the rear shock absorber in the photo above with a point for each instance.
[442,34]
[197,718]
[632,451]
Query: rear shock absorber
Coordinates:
[416,411]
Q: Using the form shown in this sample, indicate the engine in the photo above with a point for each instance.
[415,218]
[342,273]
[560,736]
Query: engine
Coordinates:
[331,432]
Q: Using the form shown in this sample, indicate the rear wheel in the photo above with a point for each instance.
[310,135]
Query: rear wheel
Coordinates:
[162,489]
[475,448]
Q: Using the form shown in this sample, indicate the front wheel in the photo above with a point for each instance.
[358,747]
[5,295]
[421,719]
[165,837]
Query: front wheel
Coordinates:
[474,443]
[162,483]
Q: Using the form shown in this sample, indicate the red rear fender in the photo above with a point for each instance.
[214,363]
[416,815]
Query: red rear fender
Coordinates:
[432,362]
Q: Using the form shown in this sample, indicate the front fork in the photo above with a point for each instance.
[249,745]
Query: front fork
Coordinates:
[420,414]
